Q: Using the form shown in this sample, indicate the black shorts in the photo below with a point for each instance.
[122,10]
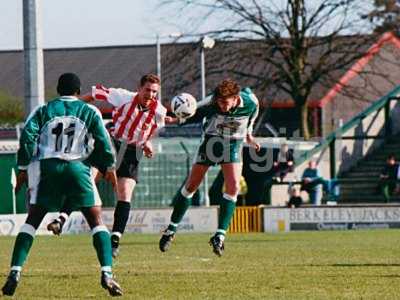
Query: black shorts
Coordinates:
[130,162]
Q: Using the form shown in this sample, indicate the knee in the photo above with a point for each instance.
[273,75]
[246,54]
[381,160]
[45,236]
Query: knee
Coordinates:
[190,187]
[123,193]
[232,187]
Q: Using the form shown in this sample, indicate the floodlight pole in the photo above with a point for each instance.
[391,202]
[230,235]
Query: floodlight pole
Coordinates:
[158,49]
[158,55]
[33,55]
[206,42]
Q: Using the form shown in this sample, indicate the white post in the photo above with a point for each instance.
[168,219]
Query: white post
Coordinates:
[33,55]
[203,73]
[203,95]
[158,49]
[13,184]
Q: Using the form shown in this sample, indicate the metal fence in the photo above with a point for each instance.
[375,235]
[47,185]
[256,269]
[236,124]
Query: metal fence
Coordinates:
[161,176]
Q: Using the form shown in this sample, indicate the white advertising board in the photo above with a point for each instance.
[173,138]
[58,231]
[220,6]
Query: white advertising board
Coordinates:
[140,221]
[331,218]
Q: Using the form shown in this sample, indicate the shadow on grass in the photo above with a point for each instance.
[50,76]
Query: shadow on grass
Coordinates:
[354,265]
[388,276]
[206,239]
[256,241]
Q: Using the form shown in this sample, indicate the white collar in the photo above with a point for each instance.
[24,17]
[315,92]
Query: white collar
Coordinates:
[68,98]
[241,103]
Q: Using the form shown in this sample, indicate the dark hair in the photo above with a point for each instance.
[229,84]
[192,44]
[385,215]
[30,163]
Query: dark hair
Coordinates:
[391,156]
[225,89]
[68,84]
[149,78]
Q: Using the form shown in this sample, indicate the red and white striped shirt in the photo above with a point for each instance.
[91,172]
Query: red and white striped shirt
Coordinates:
[132,122]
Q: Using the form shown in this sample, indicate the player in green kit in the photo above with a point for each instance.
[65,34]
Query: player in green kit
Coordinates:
[229,117]
[58,145]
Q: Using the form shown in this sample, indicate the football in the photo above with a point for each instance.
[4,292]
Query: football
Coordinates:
[184,105]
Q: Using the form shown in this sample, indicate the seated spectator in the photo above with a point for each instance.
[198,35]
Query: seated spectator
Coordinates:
[389,178]
[313,183]
[295,199]
[283,163]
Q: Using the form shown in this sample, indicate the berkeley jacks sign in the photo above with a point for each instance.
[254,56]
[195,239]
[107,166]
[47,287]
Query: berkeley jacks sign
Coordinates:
[331,218]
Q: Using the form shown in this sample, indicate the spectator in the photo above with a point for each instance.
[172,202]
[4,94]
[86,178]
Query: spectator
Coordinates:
[389,177]
[314,184]
[283,163]
[295,199]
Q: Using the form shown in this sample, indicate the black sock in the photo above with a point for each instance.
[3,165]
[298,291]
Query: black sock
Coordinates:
[121,215]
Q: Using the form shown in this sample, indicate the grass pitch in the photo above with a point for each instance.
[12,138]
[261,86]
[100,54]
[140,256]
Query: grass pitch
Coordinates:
[297,265]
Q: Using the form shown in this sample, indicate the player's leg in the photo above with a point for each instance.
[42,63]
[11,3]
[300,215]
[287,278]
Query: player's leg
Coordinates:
[232,173]
[57,224]
[122,210]
[22,246]
[102,245]
[128,174]
[81,191]
[43,186]
[181,202]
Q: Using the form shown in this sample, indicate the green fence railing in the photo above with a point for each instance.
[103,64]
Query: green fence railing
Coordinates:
[161,176]
[330,141]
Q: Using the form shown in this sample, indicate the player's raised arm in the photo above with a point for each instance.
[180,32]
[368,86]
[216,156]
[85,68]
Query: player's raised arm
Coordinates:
[249,137]
[87,98]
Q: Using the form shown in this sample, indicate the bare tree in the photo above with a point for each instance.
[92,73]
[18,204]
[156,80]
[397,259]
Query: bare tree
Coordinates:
[286,48]
[386,16]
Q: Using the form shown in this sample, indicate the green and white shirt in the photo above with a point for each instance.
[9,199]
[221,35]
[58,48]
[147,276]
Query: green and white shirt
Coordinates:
[235,124]
[65,128]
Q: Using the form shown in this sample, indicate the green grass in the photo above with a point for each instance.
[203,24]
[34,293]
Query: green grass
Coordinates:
[299,265]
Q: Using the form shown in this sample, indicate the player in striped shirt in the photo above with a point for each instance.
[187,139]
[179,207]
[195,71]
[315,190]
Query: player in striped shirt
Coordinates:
[136,117]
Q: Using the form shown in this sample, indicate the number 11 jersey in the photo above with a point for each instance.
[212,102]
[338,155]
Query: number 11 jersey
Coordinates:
[65,128]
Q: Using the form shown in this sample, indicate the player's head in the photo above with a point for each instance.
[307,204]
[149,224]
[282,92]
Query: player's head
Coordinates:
[69,84]
[148,89]
[226,95]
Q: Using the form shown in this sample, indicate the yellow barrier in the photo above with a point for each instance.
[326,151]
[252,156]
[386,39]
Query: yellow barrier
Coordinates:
[246,219]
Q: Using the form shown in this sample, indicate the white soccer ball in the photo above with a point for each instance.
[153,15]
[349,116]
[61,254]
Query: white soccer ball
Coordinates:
[184,105]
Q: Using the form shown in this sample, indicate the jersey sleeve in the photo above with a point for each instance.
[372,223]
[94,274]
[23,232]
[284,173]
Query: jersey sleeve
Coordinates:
[29,139]
[102,156]
[254,113]
[115,97]
[204,109]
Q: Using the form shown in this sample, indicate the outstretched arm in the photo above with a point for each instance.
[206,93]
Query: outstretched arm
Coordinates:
[87,98]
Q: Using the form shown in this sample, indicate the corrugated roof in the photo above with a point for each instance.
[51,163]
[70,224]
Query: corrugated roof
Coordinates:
[122,66]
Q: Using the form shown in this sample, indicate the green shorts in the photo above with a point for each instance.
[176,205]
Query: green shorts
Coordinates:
[215,150]
[53,182]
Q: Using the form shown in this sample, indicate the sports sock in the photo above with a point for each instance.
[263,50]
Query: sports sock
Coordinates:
[226,211]
[102,244]
[22,245]
[181,204]
[121,216]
